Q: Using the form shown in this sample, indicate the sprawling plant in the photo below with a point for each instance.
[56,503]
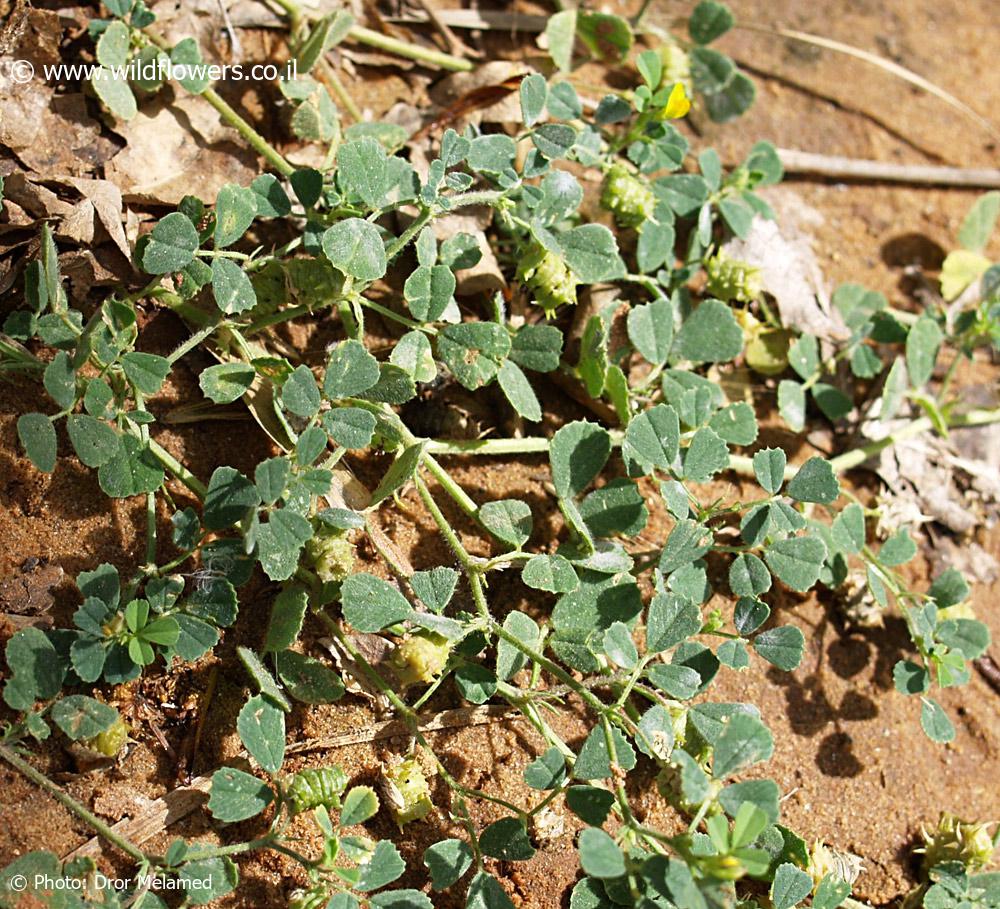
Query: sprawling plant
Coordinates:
[647,361]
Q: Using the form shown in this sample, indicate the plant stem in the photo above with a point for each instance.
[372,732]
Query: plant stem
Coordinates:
[178,469]
[67,801]
[195,339]
[410,51]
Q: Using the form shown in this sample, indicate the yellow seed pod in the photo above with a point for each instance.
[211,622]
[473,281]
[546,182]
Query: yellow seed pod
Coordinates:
[676,66]
[954,840]
[405,791]
[111,741]
[420,659]
[331,555]
[824,861]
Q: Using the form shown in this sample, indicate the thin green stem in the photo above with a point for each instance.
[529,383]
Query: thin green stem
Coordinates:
[177,469]
[408,50]
[195,339]
[67,801]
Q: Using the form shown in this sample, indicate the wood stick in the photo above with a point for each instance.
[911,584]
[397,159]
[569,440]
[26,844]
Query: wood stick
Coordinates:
[800,162]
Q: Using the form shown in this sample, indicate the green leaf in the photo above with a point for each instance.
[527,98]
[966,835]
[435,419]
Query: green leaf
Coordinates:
[709,20]
[235,209]
[428,291]
[797,561]
[710,334]
[554,140]
[561,33]
[744,741]
[261,726]
[748,576]
[236,796]
[616,508]
[510,659]
[898,549]
[619,646]
[486,892]
[848,529]
[172,245]
[208,879]
[763,795]
[262,677]
[769,468]
[308,680]
[82,717]
[507,839]
[910,678]
[280,541]
[350,371]
[577,453]
[300,394]
[38,671]
[447,861]
[671,619]
[831,892]
[600,856]
[948,589]
[803,356]
[592,253]
[705,456]
[413,354]
[680,682]
[362,170]
[792,404]
[370,604]
[735,424]
[651,329]
[652,439]
[355,247]
[360,803]
[791,885]
[231,287]
[547,771]
[590,803]
[113,45]
[922,345]
[688,542]
[815,481]
[978,225]
[287,616]
[509,520]
[533,92]
[473,351]
[147,372]
[226,382]
[112,88]
[537,347]
[59,380]
[969,637]
[518,391]
[782,647]
[491,154]
[229,497]
[186,53]
[350,427]
[38,436]
[655,248]
[271,199]
[607,36]
[132,471]
[593,762]
[935,722]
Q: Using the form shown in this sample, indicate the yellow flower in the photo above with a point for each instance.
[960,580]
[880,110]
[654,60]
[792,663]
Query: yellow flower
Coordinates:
[678,104]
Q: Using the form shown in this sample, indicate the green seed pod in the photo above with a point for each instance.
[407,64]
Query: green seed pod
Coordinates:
[730,279]
[420,659]
[547,278]
[406,792]
[312,788]
[308,899]
[676,66]
[110,742]
[330,554]
[954,840]
[627,197]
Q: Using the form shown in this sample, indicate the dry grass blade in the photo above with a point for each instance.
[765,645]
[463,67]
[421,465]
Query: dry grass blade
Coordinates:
[888,66]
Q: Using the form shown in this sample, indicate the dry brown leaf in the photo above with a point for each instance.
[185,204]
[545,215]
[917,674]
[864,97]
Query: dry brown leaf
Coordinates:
[107,202]
[788,266]
[491,84]
[163,162]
